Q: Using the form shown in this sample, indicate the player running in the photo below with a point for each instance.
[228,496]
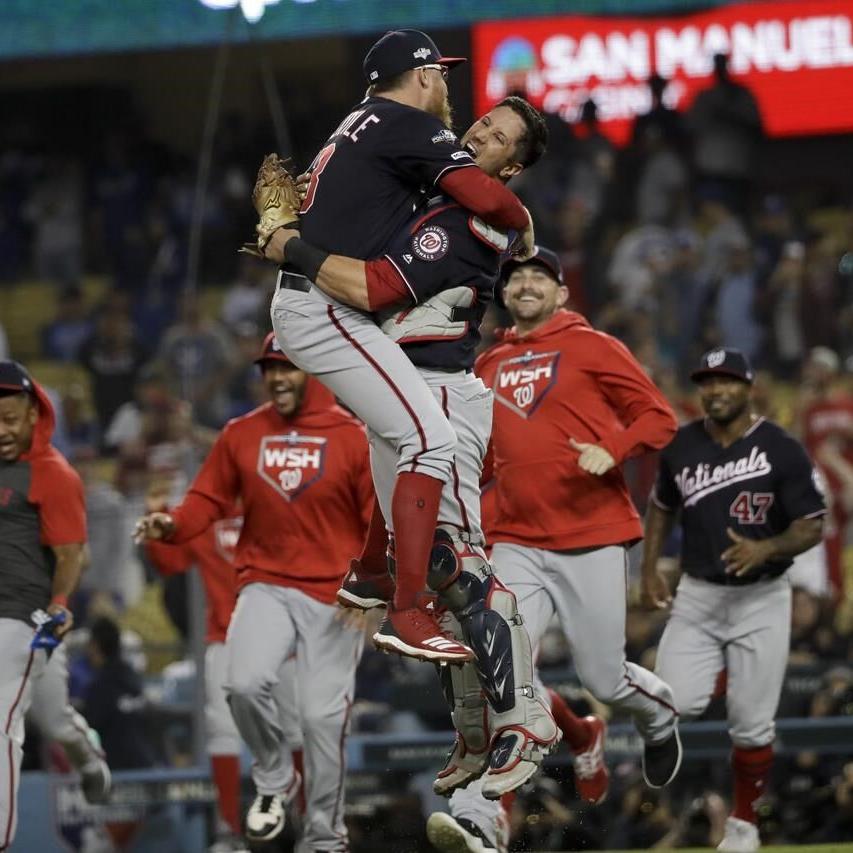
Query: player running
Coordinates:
[365,184]
[42,550]
[448,262]
[299,465]
[748,501]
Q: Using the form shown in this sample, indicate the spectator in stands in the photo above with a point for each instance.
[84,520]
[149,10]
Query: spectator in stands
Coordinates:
[55,212]
[594,160]
[198,358]
[113,702]
[4,344]
[727,135]
[667,123]
[64,336]
[246,390]
[736,296]
[784,297]
[113,355]
[248,298]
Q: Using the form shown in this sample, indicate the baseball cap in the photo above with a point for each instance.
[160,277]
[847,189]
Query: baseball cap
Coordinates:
[724,361]
[401,50]
[14,377]
[271,351]
[542,256]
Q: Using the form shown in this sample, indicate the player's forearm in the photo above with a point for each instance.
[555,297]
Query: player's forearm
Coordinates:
[67,571]
[344,279]
[652,430]
[485,197]
[658,526]
[804,533]
[195,514]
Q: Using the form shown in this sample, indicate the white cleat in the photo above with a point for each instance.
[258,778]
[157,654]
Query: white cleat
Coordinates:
[266,818]
[456,835]
[741,837]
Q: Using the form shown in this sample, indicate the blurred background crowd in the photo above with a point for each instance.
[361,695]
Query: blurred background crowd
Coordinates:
[700,232]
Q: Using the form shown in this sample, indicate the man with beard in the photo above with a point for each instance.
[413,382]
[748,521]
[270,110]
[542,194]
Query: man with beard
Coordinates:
[749,503]
[365,185]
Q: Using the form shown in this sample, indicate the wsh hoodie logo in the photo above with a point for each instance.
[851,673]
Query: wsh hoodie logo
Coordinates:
[523,382]
[291,463]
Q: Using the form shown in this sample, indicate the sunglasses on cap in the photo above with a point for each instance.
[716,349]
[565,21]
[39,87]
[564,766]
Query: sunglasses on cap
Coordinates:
[445,71]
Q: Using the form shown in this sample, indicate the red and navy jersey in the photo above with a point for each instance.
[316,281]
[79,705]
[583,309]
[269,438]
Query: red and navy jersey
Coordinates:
[757,486]
[368,179]
[443,248]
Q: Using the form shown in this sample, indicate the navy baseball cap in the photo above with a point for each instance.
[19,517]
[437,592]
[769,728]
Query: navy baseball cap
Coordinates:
[14,378]
[542,256]
[401,50]
[271,351]
[724,361]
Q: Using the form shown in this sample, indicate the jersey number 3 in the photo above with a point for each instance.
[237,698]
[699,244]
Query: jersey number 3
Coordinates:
[320,163]
[751,507]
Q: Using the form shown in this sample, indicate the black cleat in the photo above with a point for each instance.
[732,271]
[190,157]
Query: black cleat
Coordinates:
[661,761]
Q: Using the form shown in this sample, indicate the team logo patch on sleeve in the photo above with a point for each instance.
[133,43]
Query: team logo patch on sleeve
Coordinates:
[522,383]
[227,535]
[444,136]
[431,243]
[291,463]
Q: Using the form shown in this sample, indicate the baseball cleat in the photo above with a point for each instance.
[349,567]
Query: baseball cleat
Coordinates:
[661,761]
[462,767]
[415,633]
[229,844]
[364,592]
[456,835]
[266,816]
[741,836]
[592,778]
[96,782]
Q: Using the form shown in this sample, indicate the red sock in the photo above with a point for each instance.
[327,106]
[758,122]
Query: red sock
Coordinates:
[414,507]
[751,771]
[373,554]
[299,764]
[226,777]
[575,730]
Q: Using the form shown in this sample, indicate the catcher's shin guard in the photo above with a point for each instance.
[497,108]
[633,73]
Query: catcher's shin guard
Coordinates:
[469,757]
[521,726]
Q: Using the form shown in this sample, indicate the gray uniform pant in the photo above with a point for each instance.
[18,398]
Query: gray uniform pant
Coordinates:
[345,350]
[745,630]
[271,624]
[21,668]
[56,719]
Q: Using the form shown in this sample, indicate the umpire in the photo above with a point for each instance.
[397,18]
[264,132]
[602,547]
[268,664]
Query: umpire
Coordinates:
[42,546]
[749,501]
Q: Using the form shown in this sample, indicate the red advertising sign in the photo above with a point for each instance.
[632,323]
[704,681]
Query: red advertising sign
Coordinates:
[796,57]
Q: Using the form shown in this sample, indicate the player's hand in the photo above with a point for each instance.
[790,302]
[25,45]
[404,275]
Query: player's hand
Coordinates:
[351,618]
[302,182]
[654,591]
[593,459]
[745,554]
[155,525]
[63,628]
[274,250]
[526,241]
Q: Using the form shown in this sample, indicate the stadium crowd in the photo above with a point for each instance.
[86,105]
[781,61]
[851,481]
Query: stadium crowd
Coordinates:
[675,244]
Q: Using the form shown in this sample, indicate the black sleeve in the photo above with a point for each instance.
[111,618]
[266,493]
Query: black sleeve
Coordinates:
[665,493]
[421,149]
[798,489]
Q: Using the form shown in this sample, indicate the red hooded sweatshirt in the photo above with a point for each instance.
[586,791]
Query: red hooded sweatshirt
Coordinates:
[565,380]
[306,491]
[42,505]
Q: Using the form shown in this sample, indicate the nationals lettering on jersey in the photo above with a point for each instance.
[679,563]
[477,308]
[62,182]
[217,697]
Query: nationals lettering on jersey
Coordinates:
[757,486]
[291,463]
[522,383]
[368,179]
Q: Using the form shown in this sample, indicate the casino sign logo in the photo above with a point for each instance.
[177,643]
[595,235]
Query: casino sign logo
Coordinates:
[431,243]
[291,463]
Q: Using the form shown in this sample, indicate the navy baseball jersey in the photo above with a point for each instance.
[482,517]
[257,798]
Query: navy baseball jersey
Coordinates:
[371,175]
[757,487]
[444,248]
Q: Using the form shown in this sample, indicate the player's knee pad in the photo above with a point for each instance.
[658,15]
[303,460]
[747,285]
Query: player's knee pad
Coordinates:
[458,572]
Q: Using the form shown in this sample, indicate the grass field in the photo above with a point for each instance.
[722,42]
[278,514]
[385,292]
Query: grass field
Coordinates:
[805,848]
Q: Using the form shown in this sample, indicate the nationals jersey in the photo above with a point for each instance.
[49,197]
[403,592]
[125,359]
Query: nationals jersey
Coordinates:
[369,177]
[757,487]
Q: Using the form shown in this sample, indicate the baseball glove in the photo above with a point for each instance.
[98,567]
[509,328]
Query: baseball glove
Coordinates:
[276,200]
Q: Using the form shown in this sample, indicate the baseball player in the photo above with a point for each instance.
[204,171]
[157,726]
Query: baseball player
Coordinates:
[300,466]
[571,405]
[42,549]
[748,502]
[449,261]
[365,184]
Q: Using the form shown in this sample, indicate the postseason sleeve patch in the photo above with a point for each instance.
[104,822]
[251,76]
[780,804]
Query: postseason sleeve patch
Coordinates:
[431,243]
[445,135]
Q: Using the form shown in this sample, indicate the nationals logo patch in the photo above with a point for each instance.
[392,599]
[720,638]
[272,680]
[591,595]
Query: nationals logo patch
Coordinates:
[291,463]
[521,383]
[431,243]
